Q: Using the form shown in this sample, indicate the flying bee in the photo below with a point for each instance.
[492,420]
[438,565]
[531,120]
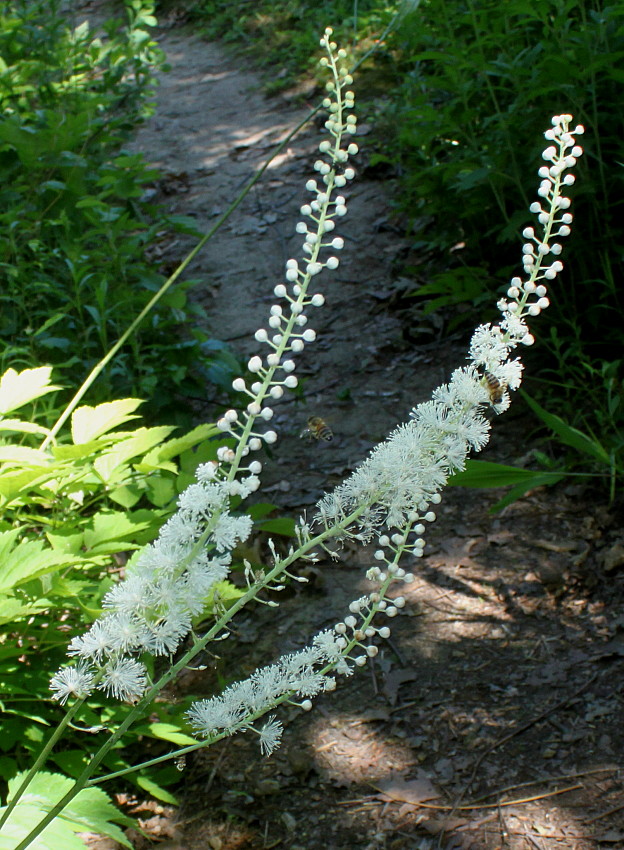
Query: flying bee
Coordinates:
[180,762]
[495,388]
[317,429]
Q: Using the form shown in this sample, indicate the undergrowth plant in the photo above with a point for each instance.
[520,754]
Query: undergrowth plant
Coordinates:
[76,232]
[474,79]
[148,630]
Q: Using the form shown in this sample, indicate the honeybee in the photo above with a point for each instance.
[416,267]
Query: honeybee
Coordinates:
[495,388]
[317,429]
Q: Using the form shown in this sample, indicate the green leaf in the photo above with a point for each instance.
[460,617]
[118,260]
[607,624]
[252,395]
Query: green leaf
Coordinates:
[26,561]
[22,455]
[112,528]
[175,447]
[280,525]
[90,811]
[89,423]
[67,541]
[56,835]
[482,473]
[12,609]
[142,440]
[166,732]
[155,790]
[18,388]
[160,491]
[539,480]
[21,427]
[567,434]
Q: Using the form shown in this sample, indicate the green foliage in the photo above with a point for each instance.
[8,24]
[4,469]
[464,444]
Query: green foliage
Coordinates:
[283,37]
[71,515]
[90,811]
[475,81]
[75,232]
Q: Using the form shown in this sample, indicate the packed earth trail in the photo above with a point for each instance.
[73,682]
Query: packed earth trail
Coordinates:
[491,718]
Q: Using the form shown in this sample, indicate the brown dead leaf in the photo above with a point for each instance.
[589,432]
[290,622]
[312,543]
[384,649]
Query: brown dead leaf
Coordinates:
[414,791]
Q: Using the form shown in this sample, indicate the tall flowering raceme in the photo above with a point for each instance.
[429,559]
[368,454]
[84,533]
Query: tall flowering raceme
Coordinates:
[391,496]
[152,610]
[389,499]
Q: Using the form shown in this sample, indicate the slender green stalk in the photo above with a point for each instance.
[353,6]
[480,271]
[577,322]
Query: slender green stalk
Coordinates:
[83,780]
[40,760]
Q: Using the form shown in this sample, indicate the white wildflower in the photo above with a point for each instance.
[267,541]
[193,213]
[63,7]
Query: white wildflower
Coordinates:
[71,681]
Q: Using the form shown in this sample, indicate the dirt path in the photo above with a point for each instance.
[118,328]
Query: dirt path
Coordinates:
[213,130]
[506,667]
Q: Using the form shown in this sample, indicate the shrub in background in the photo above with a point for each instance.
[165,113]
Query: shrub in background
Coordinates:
[75,233]
[474,79]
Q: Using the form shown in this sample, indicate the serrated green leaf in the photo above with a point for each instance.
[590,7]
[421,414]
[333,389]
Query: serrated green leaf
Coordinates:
[90,810]
[12,609]
[22,455]
[89,423]
[174,448]
[56,835]
[114,528]
[160,491]
[68,541]
[82,450]
[142,441]
[127,496]
[26,561]
[15,482]
[18,388]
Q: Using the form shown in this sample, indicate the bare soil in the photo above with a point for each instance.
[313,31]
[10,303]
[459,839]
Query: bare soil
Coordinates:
[492,717]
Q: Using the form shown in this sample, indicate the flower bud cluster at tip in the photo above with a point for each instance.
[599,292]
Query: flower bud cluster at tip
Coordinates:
[528,296]
[301,675]
[287,334]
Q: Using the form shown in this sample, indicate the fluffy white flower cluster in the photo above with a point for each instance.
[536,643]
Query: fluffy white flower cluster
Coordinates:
[401,479]
[301,675]
[151,611]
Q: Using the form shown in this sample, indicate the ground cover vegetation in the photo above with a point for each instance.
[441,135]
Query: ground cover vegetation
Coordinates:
[458,93]
[80,492]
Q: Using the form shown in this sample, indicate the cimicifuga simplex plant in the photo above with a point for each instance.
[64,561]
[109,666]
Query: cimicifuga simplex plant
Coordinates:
[389,500]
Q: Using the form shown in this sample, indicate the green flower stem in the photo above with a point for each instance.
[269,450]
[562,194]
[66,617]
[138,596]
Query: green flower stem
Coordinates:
[84,779]
[41,759]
